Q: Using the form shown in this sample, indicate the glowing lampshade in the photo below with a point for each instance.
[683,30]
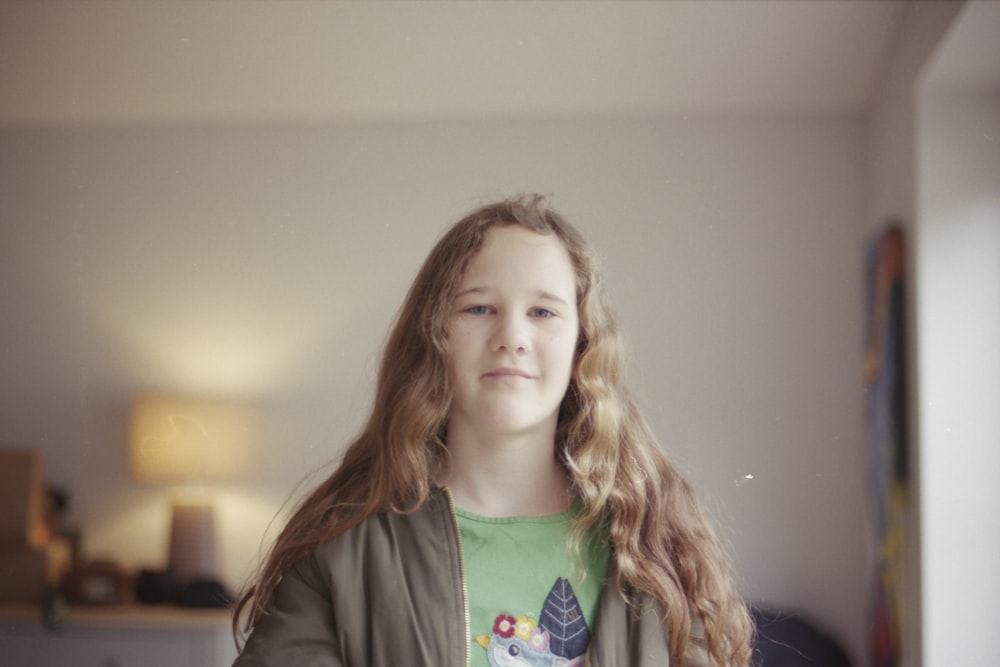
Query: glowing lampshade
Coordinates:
[184,440]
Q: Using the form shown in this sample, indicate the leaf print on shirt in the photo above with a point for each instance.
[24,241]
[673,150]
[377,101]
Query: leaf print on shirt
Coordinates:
[558,639]
[563,619]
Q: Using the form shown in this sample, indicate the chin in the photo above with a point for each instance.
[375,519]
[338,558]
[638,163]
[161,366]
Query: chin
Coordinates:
[520,425]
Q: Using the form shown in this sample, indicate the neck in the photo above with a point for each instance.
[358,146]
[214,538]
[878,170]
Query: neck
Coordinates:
[515,476]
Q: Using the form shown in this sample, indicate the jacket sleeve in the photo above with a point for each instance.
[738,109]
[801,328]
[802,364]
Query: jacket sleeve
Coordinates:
[696,654]
[634,635]
[298,628]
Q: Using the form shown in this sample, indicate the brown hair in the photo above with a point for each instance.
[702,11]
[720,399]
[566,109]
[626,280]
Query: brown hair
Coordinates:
[661,542]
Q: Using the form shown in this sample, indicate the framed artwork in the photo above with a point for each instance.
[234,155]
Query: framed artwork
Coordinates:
[887,437]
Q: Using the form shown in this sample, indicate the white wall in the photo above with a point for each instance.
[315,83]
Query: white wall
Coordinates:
[959,357]
[267,261]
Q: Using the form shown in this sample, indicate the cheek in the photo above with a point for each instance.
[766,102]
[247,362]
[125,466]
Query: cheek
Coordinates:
[561,350]
[450,360]
[457,349]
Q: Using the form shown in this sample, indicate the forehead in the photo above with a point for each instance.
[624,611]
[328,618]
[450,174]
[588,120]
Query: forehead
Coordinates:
[512,255]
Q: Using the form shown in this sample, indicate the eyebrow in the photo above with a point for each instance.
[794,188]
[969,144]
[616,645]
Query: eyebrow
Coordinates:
[542,294]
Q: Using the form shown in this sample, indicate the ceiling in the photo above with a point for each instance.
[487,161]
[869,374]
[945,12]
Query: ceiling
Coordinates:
[968,56]
[144,61]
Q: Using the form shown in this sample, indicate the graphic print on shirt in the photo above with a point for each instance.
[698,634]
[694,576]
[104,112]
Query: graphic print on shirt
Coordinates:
[559,637]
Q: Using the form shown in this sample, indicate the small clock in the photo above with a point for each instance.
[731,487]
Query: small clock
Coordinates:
[97,582]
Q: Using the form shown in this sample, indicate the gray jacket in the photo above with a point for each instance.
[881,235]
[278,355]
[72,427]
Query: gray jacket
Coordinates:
[390,593]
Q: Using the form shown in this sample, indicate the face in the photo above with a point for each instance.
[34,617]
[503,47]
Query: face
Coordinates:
[512,335]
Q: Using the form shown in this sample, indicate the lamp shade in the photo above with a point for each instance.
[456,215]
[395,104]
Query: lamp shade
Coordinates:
[186,440]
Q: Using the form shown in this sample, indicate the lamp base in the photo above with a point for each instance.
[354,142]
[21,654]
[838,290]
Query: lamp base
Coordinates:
[192,543]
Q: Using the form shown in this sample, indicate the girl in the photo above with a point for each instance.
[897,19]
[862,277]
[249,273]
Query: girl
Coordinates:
[505,503]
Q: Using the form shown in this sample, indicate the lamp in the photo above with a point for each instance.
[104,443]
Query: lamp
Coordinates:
[186,442]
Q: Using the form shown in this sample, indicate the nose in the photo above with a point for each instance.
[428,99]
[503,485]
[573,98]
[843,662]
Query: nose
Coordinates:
[510,335]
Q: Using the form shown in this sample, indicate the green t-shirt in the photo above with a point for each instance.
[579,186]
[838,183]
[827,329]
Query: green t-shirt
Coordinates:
[529,603]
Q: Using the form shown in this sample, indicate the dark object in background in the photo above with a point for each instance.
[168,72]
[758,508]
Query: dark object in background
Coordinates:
[205,593]
[156,587]
[160,587]
[789,640]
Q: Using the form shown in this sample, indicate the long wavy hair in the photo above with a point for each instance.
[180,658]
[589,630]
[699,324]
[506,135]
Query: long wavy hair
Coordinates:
[663,546]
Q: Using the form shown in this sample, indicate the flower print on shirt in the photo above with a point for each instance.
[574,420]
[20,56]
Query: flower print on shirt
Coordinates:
[558,638]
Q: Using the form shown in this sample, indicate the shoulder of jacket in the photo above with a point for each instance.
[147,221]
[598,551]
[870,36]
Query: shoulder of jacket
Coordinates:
[424,522]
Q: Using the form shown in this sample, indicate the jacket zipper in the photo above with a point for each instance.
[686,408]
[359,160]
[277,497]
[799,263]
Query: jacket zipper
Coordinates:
[461,574]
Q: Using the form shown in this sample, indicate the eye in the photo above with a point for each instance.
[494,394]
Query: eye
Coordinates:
[542,313]
[513,650]
[477,310]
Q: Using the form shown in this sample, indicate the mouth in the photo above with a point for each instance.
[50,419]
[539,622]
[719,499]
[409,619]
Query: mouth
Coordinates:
[507,373]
